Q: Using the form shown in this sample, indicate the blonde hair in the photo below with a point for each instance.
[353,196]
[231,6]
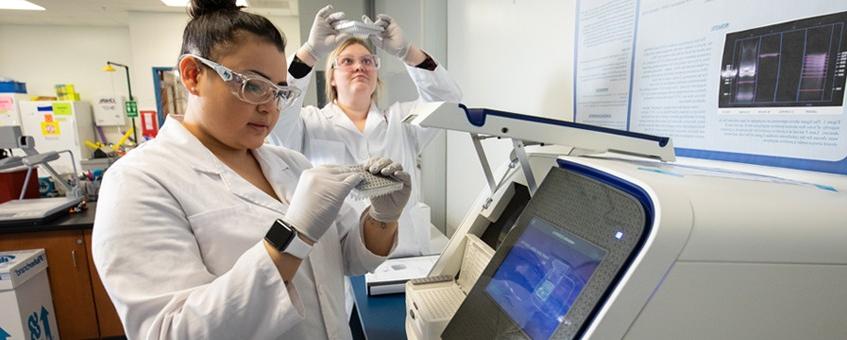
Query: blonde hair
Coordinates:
[331,92]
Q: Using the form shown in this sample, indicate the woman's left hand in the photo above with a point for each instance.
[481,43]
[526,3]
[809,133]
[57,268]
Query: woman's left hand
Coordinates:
[391,39]
[387,208]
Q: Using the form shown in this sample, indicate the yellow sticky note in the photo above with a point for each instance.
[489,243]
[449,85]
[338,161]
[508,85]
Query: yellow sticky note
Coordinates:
[62,109]
[50,129]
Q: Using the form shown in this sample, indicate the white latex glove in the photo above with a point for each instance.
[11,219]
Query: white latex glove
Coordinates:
[387,208]
[391,39]
[318,198]
[323,37]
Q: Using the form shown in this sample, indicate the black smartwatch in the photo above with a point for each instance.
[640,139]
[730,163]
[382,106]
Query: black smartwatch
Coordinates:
[284,238]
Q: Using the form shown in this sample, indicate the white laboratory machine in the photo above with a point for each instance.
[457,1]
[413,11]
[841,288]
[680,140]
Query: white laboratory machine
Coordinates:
[613,246]
[36,210]
[58,126]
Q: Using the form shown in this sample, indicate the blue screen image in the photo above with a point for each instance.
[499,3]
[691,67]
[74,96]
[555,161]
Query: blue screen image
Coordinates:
[541,277]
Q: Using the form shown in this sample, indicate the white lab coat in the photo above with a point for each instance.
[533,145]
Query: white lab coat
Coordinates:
[178,243]
[328,136]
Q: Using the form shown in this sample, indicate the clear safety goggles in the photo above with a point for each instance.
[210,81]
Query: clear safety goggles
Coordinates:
[252,89]
[347,62]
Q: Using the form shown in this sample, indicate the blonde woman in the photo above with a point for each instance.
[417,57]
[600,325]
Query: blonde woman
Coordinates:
[351,128]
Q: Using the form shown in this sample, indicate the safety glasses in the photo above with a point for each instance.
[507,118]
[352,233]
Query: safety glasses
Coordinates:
[252,89]
[347,63]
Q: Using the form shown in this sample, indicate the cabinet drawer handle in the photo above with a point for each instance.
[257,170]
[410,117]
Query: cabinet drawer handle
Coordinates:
[73,257]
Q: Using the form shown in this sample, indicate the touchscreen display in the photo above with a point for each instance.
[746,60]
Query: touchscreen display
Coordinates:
[541,277]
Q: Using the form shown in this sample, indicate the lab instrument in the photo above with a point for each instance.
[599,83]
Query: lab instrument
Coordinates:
[614,245]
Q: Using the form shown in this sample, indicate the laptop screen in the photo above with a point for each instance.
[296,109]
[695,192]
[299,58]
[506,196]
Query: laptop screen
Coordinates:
[542,276]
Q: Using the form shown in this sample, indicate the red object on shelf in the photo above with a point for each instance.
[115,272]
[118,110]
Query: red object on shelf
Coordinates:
[149,124]
[11,183]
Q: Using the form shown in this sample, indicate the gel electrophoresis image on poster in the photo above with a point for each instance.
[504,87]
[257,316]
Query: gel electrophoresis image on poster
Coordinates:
[755,81]
[793,64]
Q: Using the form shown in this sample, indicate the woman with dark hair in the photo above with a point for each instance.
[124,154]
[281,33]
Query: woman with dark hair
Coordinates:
[351,127]
[206,232]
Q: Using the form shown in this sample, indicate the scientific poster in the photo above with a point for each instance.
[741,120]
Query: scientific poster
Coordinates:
[749,81]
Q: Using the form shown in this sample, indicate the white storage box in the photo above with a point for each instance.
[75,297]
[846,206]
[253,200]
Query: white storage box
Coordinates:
[27,306]
[431,305]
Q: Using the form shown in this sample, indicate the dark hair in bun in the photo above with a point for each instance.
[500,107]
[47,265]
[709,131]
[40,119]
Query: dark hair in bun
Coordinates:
[200,7]
[216,25]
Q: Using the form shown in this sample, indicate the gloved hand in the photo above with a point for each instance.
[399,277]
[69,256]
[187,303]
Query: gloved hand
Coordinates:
[387,208]
[318,198]
[391,39]
[323,37]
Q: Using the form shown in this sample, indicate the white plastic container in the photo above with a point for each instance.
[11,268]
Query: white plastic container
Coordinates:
[27,306]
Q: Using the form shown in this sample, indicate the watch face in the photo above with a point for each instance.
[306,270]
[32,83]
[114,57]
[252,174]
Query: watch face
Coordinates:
[280,235]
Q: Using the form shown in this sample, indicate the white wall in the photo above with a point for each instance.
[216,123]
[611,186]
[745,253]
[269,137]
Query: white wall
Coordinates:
[43,56]
[510,55]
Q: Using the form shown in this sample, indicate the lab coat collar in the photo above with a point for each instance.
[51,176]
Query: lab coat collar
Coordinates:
[339,118]
[202,159]
[249,192]
[188,146]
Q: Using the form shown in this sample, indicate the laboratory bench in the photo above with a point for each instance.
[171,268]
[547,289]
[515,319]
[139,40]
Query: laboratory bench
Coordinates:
[82,308]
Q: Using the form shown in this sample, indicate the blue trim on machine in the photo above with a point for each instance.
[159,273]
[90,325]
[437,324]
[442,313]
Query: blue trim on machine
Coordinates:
[477,118]
[649,213]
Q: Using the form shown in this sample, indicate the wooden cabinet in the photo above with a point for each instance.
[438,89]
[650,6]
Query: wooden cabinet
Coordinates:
[107,318]
[74,284]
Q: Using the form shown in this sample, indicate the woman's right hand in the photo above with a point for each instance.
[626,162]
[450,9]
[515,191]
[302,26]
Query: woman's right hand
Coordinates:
[323,37]
[318,198]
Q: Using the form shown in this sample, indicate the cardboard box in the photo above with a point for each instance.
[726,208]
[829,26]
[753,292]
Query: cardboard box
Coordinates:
[27,306]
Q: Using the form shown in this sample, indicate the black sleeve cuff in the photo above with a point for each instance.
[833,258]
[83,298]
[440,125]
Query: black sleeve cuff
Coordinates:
[428,63]
[298,69]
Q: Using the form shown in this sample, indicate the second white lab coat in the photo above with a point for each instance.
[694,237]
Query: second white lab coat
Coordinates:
[178,243]
[328,136]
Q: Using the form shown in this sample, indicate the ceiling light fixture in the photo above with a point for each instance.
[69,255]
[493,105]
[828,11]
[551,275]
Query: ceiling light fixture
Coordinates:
[21,5]
[184,3]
